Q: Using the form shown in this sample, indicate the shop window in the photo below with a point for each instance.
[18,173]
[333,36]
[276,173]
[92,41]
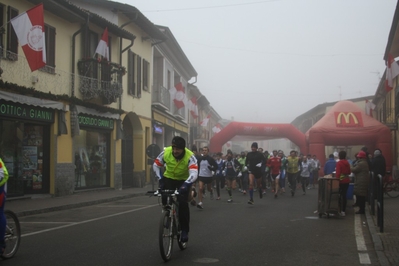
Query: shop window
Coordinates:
[91,159]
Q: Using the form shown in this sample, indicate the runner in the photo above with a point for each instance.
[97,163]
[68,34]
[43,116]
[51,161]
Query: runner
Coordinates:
[219,177]
[244,177]
[254,162]
[282,170]
[206,164]
[292,165]
[231,169]
[306,169]
[274,164]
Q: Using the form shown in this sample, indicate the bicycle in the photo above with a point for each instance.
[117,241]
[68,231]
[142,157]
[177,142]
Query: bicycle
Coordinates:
[169,227]
[391,185]
[12,236]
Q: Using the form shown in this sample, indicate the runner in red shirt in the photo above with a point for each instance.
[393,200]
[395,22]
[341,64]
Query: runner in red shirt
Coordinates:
[274,164]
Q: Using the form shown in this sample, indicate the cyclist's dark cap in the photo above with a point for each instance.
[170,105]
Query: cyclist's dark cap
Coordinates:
[179,142]
[254,144]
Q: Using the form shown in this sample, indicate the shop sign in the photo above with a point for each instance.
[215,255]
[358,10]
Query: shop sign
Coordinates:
[27,112]
[97,122]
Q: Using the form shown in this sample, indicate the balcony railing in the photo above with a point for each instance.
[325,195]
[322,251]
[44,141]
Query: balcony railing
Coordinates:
[388,117]
[100,79]
[161,96]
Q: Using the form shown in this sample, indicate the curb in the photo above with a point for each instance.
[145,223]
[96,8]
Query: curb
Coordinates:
[78,204]
[378,246]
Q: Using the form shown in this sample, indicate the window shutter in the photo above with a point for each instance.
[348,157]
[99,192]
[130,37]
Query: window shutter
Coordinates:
[12,40]
[139,77]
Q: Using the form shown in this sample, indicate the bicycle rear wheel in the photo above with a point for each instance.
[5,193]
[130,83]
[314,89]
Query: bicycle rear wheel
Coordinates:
[13,235]
[166,236]
[392,189]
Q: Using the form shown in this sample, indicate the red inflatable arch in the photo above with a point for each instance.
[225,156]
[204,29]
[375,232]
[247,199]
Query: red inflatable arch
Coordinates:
[346,124]
[269,131]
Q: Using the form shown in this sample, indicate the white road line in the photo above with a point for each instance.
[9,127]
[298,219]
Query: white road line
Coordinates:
[364,258]
[120,206]
[46,222]
[87,221]
[361,244]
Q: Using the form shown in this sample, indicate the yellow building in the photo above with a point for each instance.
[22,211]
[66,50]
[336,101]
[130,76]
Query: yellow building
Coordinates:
[82,121]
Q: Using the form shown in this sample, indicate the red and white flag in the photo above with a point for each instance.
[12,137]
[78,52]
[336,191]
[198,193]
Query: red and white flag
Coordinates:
[216,129]
[205,121]
[29,28]
[369,108]
[178,95]
[391,72]
[102,47]
[193,107]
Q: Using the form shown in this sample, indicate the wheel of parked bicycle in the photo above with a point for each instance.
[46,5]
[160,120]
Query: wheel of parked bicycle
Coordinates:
[12,235]
[391,188]
[166,236]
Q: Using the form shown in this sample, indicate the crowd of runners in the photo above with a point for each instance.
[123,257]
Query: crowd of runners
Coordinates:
[252,172]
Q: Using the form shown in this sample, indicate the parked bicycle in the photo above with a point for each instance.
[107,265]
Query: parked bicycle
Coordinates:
[391,185]
[169,227]
[12,236]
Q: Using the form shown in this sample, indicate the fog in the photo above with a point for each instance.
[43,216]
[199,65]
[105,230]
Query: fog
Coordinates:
[270,61]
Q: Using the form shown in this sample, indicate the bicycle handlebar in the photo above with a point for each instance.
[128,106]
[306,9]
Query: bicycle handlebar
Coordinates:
[159,192]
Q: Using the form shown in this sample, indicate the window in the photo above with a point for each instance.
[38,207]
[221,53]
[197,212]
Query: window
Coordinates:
[12,40]
[89,44]
[50,48]
[138,76]
[146,75]
[131,73]
[2,30]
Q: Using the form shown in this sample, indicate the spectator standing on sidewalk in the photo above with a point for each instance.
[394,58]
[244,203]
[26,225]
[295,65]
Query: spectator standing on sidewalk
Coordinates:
[362,178]
[329,167]
[343,170]
[378,167]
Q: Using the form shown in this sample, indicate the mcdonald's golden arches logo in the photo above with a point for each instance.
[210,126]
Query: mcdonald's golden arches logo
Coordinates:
[348,119]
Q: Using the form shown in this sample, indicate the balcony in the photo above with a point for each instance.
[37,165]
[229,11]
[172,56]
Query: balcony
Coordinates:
[388,118]
[161,97]
[100,79]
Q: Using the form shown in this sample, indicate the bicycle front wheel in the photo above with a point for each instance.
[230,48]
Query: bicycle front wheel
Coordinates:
[12,236]
[166,236]
[392,189]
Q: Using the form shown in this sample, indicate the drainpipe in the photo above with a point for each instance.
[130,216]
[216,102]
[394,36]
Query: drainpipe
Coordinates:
[73,56]
[124,50]
[73,61]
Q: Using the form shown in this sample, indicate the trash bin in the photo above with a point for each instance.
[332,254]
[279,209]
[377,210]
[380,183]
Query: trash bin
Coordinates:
[349,193]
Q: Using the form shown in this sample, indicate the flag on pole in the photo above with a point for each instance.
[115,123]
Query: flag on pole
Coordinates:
[216,128]
[369,108]
[102,47]
[205,121]
[29,28]
[193,107]
[178,95]
[391,72]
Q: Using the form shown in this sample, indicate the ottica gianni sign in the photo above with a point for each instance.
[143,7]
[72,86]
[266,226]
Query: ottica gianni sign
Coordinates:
[97,122]
[27,112]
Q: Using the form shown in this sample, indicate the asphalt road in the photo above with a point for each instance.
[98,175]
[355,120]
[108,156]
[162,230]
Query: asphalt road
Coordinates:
[282,231]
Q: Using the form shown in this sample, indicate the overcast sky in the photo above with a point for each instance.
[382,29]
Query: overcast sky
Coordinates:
[270,61]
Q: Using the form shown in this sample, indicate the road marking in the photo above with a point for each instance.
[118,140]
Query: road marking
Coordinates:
[120,206]
[87,221]
[361,244]
[46,222]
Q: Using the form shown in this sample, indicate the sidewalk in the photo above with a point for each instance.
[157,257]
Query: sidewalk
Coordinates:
[386,244]
[35,204]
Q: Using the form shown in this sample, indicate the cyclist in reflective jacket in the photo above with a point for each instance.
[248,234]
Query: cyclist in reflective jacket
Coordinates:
[3,191]
[181,171]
